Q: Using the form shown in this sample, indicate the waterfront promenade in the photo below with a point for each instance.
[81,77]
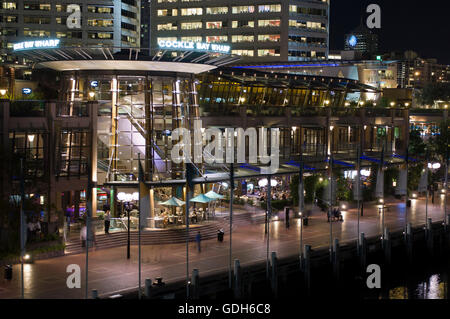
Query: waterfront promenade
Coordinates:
[110,271]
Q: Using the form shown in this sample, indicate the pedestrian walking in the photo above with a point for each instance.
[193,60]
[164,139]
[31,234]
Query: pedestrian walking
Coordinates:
[107,221]
[198,239]
[83,235]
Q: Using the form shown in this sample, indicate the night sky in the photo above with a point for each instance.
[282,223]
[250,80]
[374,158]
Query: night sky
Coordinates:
[421,26]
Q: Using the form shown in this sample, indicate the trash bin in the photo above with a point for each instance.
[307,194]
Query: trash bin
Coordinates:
[305,221]
[220,236]
[8,272]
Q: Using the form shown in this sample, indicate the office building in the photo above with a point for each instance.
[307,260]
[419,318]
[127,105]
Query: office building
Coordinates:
[270,30]
[111,23]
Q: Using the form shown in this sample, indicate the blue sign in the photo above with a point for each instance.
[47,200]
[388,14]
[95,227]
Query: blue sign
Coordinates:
[352,41]
[94,84]
[26,91]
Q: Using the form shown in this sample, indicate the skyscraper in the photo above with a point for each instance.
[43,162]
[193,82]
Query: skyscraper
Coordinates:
[269,30]
[363,41]
[112,23]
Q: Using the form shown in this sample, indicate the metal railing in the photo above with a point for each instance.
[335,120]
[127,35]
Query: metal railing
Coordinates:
[72,109]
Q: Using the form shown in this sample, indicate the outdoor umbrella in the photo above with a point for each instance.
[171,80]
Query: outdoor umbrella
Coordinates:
[202,198]
[173,202]
[213,195]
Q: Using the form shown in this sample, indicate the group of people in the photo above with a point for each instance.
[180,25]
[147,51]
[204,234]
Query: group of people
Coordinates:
[34,229]
[336,214]
[277,195]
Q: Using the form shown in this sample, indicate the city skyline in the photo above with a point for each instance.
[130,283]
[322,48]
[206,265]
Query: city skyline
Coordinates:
[400,30]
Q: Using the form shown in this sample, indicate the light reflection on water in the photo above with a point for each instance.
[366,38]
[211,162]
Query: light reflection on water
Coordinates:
[433,288]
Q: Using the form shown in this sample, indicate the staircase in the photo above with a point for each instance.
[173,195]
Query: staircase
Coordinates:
[208,230]
[242,219]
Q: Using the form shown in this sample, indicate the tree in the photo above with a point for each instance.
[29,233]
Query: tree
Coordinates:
[439,145]
[433,92]
[417,146]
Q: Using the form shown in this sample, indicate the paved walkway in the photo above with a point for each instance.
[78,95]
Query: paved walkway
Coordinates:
[110,271]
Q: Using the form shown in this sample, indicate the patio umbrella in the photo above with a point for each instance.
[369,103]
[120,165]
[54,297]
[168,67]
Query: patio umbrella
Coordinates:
[173,202]
[213,195]
[202,198]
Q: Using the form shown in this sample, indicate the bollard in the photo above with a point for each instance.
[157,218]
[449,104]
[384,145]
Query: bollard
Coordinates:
[94,294]
[307,268]
[195,284]
[387,246]
[148,287]
[429,235]
[336,260]
[362,252]
[274,261]
[409,241]
[237,279]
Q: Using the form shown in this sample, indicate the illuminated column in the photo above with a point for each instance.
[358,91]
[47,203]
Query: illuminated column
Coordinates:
[93,164]
[114,117]
[330,138]
[152,208]
[73,89]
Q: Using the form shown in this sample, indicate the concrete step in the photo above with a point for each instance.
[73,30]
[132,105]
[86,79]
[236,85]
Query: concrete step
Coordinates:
[166,236]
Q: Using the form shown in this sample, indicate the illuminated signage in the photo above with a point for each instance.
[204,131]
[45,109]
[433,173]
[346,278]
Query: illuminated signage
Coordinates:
[37,44]
[94,84]
[194,46]
[352,41]
[26,91]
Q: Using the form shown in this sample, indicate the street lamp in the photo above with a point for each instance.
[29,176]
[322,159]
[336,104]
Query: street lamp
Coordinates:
[127,198]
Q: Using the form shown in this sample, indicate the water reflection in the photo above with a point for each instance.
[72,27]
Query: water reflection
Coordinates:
[433,288]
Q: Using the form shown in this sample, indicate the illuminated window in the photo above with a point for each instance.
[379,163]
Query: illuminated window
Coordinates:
[167,26]
[270,8]
[35,33]
[217,39]
[36,20]
[243,9]
[167,39]
[192,39]
[243,52]
[100,35]
[100,22]
[217,10]
[167,13]
[37,6]
[191,11]
[214,25]
[269,38]
[191,25]
[269,52]
[269,23]
[9,6]
[242,38]
[10,19]
[100,9]
[243,24]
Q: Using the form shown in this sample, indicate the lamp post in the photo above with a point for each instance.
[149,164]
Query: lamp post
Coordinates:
[126,199]
[273,183]
[430,167]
